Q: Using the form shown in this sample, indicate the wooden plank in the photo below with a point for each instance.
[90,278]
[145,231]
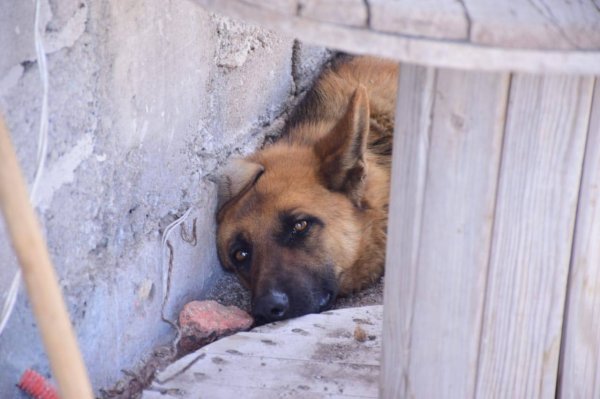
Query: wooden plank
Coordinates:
[450,250]
[443,19]
[535,212]
[343,12]
[580,367]
[410,49]
[286,7]
[411,147]
[462,170]
[226,391]
[320,336]
[314,356]
[541,24]
[218,374]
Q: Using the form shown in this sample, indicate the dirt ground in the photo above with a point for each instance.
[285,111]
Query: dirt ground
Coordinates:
[227,291]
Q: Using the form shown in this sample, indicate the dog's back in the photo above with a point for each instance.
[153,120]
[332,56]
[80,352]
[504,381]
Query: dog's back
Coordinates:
[327,101]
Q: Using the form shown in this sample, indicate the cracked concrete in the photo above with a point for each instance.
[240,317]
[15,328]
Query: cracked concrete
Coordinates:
[146,100]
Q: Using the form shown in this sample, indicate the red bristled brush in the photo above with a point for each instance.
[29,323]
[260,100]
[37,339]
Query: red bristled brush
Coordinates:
[37,386]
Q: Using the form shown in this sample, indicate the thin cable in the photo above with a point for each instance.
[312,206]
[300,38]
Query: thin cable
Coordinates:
[42,149]
[165,236]
[166,288]
[43,136]
[11,298]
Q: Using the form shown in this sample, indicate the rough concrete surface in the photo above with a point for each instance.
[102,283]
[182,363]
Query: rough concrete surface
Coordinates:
[146,100]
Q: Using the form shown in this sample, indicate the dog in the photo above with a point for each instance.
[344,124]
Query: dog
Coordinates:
[304,219]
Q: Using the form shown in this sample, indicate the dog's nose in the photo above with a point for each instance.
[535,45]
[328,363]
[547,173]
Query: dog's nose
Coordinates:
[271,307]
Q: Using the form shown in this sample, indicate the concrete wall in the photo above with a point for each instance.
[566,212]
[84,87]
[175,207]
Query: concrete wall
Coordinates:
[146,100]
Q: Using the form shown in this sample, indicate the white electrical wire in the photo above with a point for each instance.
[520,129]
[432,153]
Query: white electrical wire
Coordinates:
[11,298]
[163,248]
[43,136]
[167,270]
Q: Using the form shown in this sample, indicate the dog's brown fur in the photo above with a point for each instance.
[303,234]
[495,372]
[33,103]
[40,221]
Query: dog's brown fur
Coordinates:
[305,219]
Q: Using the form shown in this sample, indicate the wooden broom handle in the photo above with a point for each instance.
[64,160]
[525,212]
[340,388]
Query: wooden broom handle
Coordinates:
[42,285]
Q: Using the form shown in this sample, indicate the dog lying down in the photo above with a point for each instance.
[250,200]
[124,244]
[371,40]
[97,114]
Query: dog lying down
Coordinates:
[304,219]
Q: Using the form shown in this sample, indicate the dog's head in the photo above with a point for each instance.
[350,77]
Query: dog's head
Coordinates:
[289,223]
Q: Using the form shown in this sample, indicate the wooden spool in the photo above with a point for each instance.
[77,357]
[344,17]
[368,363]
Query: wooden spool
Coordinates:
[493,264]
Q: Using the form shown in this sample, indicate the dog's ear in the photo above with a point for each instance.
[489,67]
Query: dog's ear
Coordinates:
[342,151]
[237,176]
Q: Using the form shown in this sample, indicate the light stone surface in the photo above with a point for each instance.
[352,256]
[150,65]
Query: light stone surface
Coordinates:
[147,99]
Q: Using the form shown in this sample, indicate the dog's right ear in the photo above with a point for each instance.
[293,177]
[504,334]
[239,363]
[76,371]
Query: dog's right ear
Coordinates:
[236,177]
[342,151]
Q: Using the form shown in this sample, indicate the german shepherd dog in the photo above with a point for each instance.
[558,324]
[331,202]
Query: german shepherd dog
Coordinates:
[304,219]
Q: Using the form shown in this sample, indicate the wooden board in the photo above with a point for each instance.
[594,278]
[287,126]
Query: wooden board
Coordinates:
[443,19]
[535,212]
[342,12]
[285,7]
[538,24]
[438,45]
[541,24]
[436,273]
[580,369]
[315,356]
[411,148]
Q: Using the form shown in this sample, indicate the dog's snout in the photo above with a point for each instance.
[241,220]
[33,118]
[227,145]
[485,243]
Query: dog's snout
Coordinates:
[272,306]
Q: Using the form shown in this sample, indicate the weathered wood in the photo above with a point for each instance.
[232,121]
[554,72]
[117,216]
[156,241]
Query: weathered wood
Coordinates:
[415,49]
[228,391]
[535,211]
[448,258]
[442,19]
[478,261]
[277,375]
[539,24]
[342,12]
[314,356]
[285,7]
[580,368]
[411,148]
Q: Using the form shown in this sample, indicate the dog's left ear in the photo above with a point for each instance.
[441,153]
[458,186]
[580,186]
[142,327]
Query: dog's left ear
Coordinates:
[236,177]
[342,151]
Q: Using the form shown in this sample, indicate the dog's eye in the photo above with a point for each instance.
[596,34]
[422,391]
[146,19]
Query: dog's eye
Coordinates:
[300,226]
[240,256]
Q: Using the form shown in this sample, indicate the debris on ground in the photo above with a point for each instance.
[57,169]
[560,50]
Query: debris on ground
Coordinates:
[138,378]
[360,334]
[202,322]
[227,291]
[372,295]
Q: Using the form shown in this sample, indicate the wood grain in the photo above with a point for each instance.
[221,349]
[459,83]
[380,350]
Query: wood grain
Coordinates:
[535,213]
[449,259]
[409,160]
[411,49]
[286,7]
[580,367]
[443,19]
[314,356]
[535,24]
[342,12]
